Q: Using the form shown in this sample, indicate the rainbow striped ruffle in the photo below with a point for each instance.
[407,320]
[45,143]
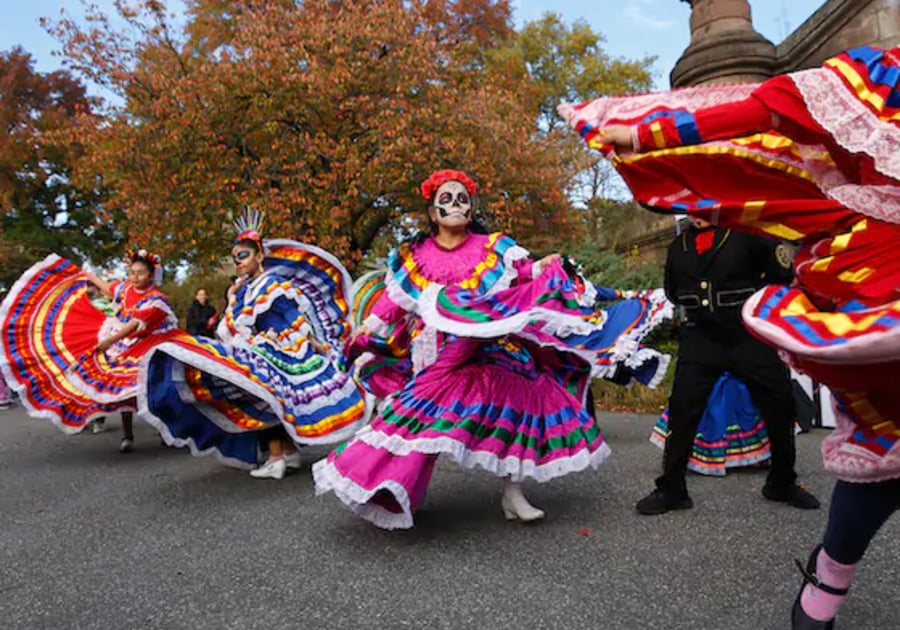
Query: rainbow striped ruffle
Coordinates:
[321,279]
[366,291]
[50,334]
[852,334]
[855,351]
[215,397]
[731,433]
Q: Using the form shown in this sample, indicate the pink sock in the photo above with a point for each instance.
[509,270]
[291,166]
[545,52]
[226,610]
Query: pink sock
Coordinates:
[818,604]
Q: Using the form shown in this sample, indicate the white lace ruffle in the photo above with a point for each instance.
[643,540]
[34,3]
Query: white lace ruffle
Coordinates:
[852,462]
[599,111]
[878,202]
[514,468]
[851,124]
[628,350]
[328,479]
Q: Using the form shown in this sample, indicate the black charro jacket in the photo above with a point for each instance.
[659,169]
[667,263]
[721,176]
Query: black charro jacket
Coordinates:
[713,286]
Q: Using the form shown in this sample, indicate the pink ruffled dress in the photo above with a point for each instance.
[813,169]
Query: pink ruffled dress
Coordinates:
[481,355]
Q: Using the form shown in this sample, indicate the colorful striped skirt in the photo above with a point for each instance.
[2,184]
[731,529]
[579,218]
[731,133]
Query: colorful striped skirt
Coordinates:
[481,405]
[216,398]
[49,356]
[731,434]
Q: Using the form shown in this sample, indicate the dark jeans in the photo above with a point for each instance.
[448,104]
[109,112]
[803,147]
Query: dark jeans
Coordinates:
[704,354]
[858,510]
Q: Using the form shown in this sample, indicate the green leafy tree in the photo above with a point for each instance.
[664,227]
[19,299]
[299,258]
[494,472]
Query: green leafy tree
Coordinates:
[41,211]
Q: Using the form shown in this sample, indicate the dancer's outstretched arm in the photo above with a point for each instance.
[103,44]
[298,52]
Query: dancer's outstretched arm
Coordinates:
[102,285]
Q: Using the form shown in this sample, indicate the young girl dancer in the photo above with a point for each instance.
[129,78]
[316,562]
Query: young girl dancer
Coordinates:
[70,362]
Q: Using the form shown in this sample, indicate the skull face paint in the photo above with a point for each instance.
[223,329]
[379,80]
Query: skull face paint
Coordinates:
[452,204]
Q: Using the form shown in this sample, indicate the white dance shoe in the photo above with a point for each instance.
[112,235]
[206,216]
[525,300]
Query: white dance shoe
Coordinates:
[516,506]
[272,469]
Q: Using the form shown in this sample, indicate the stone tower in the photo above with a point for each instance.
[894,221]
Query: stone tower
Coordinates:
[724,48]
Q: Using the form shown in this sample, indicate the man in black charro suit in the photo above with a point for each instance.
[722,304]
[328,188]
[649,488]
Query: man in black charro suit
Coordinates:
[711,272]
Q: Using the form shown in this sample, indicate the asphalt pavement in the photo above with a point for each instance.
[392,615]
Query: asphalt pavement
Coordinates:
[91,538]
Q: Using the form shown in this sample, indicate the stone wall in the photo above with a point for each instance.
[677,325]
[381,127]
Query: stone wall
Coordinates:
[837,26]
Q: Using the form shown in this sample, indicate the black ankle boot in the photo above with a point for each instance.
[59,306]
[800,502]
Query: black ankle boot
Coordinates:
[799,619]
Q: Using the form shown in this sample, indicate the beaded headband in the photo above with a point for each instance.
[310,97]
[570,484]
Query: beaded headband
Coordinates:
[249,226]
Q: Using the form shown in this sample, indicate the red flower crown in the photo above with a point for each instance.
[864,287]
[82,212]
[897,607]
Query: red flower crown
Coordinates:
[133,255]
[439,178]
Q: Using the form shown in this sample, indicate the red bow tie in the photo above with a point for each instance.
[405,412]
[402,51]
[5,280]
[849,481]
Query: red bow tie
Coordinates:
[703,241]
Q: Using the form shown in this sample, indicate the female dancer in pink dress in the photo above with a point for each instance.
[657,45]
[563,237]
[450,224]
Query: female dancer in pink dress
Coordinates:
[484,355]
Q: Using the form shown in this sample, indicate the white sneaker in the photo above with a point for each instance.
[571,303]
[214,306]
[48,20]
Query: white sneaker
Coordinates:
[272,469]
[98,426]
[126,445]
[516,506]
[292,460]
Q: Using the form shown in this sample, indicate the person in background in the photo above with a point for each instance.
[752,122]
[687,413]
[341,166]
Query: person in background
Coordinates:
[202,317]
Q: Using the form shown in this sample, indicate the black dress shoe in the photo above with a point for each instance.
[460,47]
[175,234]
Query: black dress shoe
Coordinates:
[658,502]
[799,619]
[793,495]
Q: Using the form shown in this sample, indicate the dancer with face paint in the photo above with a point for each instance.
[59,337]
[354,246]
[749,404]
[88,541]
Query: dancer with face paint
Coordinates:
[70,362]
[275,377]
[484,355]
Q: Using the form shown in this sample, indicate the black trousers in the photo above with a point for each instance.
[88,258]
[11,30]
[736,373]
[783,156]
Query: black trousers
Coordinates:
[858,510]
[704,354]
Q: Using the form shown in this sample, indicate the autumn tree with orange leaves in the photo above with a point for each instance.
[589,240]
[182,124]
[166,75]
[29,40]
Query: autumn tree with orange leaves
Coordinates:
[326,114]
